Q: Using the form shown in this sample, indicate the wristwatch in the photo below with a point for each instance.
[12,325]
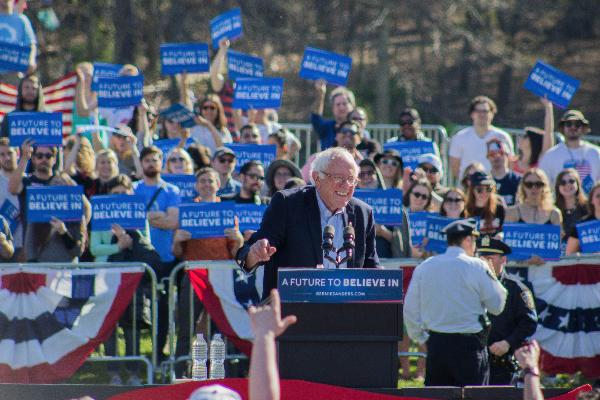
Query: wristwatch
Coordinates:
[531,371]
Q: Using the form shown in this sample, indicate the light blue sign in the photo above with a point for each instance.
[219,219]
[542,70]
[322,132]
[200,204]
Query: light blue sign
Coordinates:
[418,226]
[436,239]
[527,240]
[11,214]
[351,285]
[45,129]
[320,64]
[176,58]
[129,211]
[62,202]
[240,65]
[386,204]
[104,70]
[206,220]
[227,25]
[120,91]
[257,93]
[166,145]
[250,216]
[186,184]
[14,57]
[546,81]
[411,150]
[589,236]
[264,153]
[180,114]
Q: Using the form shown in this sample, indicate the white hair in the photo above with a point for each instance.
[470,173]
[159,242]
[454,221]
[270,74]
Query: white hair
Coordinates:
[324,158]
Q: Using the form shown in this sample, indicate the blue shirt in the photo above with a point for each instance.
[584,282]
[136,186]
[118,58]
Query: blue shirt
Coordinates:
[161,239]
[507,187]
[337,221]
[16,29]
[325,128]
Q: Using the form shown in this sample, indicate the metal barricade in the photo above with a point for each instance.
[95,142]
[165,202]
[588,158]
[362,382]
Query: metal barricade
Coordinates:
[150,364]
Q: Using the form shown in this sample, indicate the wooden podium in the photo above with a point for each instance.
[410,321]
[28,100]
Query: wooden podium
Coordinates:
[342,339]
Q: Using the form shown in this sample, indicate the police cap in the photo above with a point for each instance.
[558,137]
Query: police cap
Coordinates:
[488,246]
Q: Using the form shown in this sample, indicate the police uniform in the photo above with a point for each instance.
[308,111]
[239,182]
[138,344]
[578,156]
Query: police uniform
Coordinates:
[516,323]
[445,306]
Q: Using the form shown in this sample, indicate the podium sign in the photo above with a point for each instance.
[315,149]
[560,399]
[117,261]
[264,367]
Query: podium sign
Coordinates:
[310,285]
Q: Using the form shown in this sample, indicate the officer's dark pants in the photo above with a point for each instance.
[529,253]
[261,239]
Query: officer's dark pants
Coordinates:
[456,360]
[500,376]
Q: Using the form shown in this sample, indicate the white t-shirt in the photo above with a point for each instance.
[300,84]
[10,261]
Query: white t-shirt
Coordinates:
[470,147]
[585,159]
[202,135]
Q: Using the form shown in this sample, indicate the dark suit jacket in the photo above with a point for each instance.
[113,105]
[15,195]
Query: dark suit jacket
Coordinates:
[292,224]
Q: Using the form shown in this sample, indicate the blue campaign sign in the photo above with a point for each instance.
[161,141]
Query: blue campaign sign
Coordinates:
[206,220]
[386,204]
[14,57]
[351,285]
[104,70]
[180,114]
[240,65]
[257,93]
[11,214]
[418,226]
[527,240]
[264,153]
[436,239]
[186,184]
[176,58]
[45,129]
[250,216]
[129,211]
[227,25]
[120,91]
[62,202]
[411,150]
[589,236]
[546,81]
[320,64]
[166,145]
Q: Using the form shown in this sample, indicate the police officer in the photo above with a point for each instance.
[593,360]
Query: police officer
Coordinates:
[445,306]
[516,323]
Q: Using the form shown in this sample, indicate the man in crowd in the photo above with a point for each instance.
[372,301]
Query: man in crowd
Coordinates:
[469,145]
[507,182]
[249,134]
[446,305]
[433,168]
[252,177]
[223,162]
[9,203]
[410,128]
[574,152]
[347,136]
[15,28]
[29,98]
[518,320]
[290,234]
[342,102]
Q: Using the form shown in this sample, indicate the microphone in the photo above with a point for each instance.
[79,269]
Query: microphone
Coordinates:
[328,235]
[348,237]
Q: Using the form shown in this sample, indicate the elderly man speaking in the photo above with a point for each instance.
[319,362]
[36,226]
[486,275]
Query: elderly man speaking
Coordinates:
[290,234]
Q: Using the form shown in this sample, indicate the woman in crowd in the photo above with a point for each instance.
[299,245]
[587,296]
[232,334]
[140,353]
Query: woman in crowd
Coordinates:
[211,124]
[483,202]
[390,164]
[125,146]
[278,173]
[465,180]
[453,204]
[570,199]
[535,142]
[80,162]
[418,196]
[107,167]
[179,161]
[593,206]
[369,175]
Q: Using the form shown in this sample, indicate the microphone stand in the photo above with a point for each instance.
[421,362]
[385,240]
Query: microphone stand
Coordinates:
[338,260]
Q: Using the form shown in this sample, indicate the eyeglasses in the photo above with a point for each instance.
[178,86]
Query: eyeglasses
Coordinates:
[482,189]
[175,159]
[338,180]
[255,177]
[366,174]
[47,156]
[429,170]
[407,122]
[347,131]
[575,124]
[212,108]
[532,184]
[567,181]
[420,195]
[454,200]
[226,160]
[389,161]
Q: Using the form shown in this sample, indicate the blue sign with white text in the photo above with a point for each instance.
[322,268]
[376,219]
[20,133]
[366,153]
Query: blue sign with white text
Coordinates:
[176,58]
[227,25]
[186,184]
[206,220]
[589,236]
[546,81]
[320,64]
[436,239]
[120,91]
[104,70]
[264,153]
[386,204]
[240,65]
[347,285]
[45,129]
[62,202]
[418,226]
[180,114]
[166,145]
[527,240]
[126,210]
[11,213]
[14,57]
[250,216]
[257,93]
[411,150]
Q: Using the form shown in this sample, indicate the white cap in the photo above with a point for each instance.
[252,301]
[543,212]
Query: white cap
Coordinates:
[214,392]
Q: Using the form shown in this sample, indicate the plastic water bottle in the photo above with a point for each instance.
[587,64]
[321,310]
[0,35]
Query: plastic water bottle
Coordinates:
[199,356]
[217,357]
